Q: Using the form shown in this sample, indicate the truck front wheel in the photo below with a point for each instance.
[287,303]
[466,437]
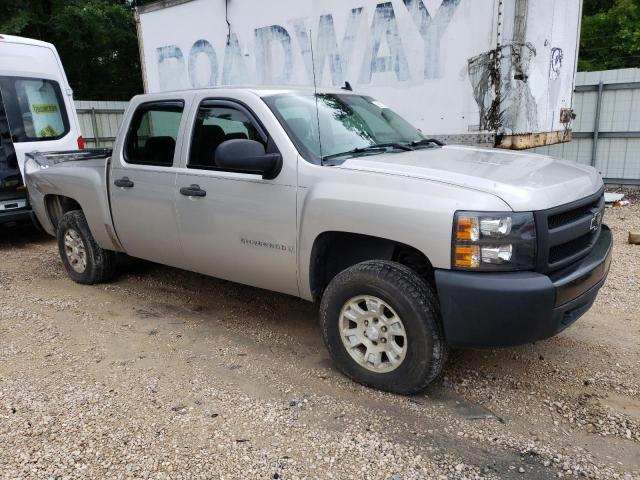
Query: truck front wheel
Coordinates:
[381,324]
[83,258]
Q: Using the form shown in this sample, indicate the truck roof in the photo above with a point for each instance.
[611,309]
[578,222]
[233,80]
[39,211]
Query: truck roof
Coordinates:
[264,91]
[260,90]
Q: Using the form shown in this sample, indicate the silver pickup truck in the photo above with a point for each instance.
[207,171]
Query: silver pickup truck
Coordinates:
[410,247]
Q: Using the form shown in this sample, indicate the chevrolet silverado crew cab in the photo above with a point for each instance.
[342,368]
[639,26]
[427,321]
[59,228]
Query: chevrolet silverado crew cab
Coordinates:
[409,246]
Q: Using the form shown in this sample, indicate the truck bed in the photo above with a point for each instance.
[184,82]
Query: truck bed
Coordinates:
[47,159]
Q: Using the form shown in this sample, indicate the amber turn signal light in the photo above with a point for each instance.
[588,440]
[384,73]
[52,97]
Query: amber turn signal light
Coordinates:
[467,229]
[467,256]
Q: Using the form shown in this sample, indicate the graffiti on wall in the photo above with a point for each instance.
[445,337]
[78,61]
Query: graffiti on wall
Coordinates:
[500,81]
[252,59]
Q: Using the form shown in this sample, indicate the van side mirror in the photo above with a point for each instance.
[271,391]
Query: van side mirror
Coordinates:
[247,156]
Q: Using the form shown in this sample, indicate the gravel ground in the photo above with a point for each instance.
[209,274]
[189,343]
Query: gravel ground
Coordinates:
[167,374]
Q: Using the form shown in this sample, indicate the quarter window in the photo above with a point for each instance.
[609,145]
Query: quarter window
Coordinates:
[35,108]
[153,134]
[214,125]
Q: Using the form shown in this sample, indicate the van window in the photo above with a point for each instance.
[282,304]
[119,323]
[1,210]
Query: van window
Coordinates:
[153,134]
[35,109]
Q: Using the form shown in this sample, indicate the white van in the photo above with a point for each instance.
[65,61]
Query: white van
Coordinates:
[36,113]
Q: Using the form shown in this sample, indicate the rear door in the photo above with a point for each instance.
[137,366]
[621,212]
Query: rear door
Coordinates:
[13,195]
[142,182]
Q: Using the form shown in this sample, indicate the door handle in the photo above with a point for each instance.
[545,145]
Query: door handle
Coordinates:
[193,191]
[123,182]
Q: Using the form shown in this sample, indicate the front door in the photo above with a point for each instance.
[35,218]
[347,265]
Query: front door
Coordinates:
[244,227]
[142,184]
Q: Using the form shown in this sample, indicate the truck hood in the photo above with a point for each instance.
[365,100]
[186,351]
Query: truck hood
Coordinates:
[525,181]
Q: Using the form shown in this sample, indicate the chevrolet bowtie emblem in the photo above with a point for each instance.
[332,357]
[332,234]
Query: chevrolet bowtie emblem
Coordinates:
[595,221]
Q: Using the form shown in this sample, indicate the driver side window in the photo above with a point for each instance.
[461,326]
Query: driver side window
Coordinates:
[214,125]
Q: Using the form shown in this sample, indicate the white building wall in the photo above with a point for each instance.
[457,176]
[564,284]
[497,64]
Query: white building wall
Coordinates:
[413,55]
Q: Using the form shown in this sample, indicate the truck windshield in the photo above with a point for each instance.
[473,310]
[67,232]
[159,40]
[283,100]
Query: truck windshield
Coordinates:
[350,125]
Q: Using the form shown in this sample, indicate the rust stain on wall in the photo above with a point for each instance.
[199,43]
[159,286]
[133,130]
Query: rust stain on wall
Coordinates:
[532,140]
[500,81]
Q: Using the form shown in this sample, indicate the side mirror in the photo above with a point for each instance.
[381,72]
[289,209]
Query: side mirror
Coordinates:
[248,156]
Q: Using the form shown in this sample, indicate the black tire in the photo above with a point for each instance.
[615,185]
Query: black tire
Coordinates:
[414,301]
[100,263]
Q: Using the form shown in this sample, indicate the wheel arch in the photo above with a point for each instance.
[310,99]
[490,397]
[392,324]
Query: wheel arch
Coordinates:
[57,205]
[334,251]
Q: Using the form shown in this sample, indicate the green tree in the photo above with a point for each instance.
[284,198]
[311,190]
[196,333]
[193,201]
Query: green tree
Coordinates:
[96,40]
[610,36]
[591,7]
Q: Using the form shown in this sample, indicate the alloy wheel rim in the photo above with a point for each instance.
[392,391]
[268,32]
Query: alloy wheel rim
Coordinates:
[75,250]
[373,334]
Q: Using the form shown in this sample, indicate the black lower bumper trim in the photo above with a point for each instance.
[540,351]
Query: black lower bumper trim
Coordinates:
[581,276]
[507,309]
[11,216]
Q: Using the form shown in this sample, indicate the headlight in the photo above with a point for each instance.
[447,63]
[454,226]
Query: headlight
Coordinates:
[493,241]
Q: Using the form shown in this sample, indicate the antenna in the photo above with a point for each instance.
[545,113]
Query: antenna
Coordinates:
[315,94]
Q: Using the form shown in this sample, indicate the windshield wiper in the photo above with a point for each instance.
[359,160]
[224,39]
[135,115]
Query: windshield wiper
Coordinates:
[370,148]
[427,141]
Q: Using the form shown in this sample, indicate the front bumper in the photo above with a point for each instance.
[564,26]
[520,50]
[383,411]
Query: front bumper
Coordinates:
[507,309]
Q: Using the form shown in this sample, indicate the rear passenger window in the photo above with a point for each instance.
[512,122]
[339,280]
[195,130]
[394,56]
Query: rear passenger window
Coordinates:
[214,125]
[153,134]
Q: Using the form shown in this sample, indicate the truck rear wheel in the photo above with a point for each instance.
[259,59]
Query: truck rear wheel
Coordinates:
[83,259]
[381,323]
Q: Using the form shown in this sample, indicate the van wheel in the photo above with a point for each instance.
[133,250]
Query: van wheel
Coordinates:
[84,260]
[381,324]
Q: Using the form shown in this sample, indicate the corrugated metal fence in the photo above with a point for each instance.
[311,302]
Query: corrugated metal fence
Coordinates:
[606,128]
[607,125]
[99,121]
